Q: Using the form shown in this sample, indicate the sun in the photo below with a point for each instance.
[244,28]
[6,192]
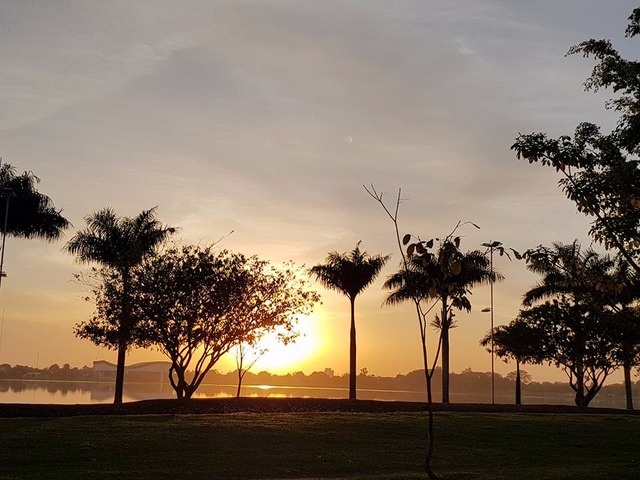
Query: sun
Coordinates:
[279,358]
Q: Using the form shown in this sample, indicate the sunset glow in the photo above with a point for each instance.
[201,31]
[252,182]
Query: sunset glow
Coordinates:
[265,119]
[280,358]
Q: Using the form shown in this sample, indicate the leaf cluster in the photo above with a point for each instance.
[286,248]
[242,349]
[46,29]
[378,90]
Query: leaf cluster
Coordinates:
[439,269]
[601,173]
[31,214]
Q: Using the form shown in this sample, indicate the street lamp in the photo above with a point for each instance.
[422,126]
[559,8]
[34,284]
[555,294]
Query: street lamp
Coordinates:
[492,245]
[493,399]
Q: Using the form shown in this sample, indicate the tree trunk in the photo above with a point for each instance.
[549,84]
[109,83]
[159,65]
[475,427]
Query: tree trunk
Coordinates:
[518,385]
[430,430]
[628,384]
[581,400]
[239,384]
[123,333]
[445,352]
[122,351]
[352,352]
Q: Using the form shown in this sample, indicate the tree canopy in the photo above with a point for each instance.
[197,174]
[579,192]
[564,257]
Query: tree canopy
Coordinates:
[31,214]
[195,304]
[601,172]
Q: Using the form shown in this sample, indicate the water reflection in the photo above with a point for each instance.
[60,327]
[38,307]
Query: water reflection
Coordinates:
[65,392]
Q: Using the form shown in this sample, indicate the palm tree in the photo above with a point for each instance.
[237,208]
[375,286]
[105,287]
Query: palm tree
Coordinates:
[584,276]
[32,214]
[566,270]
[446,275]
[350,273]
[25,212]
[119,243]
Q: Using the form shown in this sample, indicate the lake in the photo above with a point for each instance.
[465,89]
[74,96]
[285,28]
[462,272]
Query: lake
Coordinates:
[64,392]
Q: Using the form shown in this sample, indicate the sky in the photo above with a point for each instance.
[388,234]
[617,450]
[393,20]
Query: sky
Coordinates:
[267,117]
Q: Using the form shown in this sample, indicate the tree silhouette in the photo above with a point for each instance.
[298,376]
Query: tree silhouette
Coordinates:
[577,337]
[622,293]
[516,342]
[577,327]
[196,304]
[25,212]
[445,275]
[601,173]
[119,243]
[350,273]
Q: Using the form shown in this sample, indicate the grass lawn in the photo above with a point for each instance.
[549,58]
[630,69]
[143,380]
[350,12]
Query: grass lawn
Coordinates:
[320,446]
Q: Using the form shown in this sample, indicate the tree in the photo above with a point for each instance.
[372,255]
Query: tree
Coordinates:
[576,337]
[577,329]
[622,292]
[601,173]
[196,304]
[444,274]
[350,273]
[25,212]
[599,280]
[247,355]
[248,350]
[120,244]
[31,214]
[517,342]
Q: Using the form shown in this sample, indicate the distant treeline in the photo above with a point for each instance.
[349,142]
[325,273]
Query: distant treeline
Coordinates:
[467,381]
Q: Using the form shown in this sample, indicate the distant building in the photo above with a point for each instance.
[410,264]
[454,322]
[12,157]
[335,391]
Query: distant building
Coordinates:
[104,371]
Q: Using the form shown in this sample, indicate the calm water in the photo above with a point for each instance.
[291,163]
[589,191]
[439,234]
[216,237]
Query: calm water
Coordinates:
[60,392]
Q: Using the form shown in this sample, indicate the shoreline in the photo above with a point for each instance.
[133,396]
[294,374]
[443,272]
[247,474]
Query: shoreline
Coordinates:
[279,405]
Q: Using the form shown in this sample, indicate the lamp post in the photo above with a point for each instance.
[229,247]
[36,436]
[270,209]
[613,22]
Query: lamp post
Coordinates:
[493,399]
[491,246]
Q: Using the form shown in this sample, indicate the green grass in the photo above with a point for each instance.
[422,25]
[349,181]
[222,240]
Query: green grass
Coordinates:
[320,445]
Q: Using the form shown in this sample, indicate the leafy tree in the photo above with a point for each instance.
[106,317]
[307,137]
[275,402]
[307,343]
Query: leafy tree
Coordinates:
[584,295]
[622,293]
[120,244]
[585,275]
[350,273]
[197,304]
[576,337]
[517,342]
[601,173]
[441,273]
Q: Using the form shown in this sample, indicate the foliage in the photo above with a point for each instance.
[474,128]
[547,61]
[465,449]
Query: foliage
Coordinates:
[440,272]
[31,213]
[608,283]
[585,331]
[350,273]
[105,327]
[118,244]
[601,173]
[515,341]
[196,304]
[576,337]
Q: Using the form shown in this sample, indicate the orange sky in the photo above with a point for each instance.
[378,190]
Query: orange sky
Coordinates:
[267,117]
